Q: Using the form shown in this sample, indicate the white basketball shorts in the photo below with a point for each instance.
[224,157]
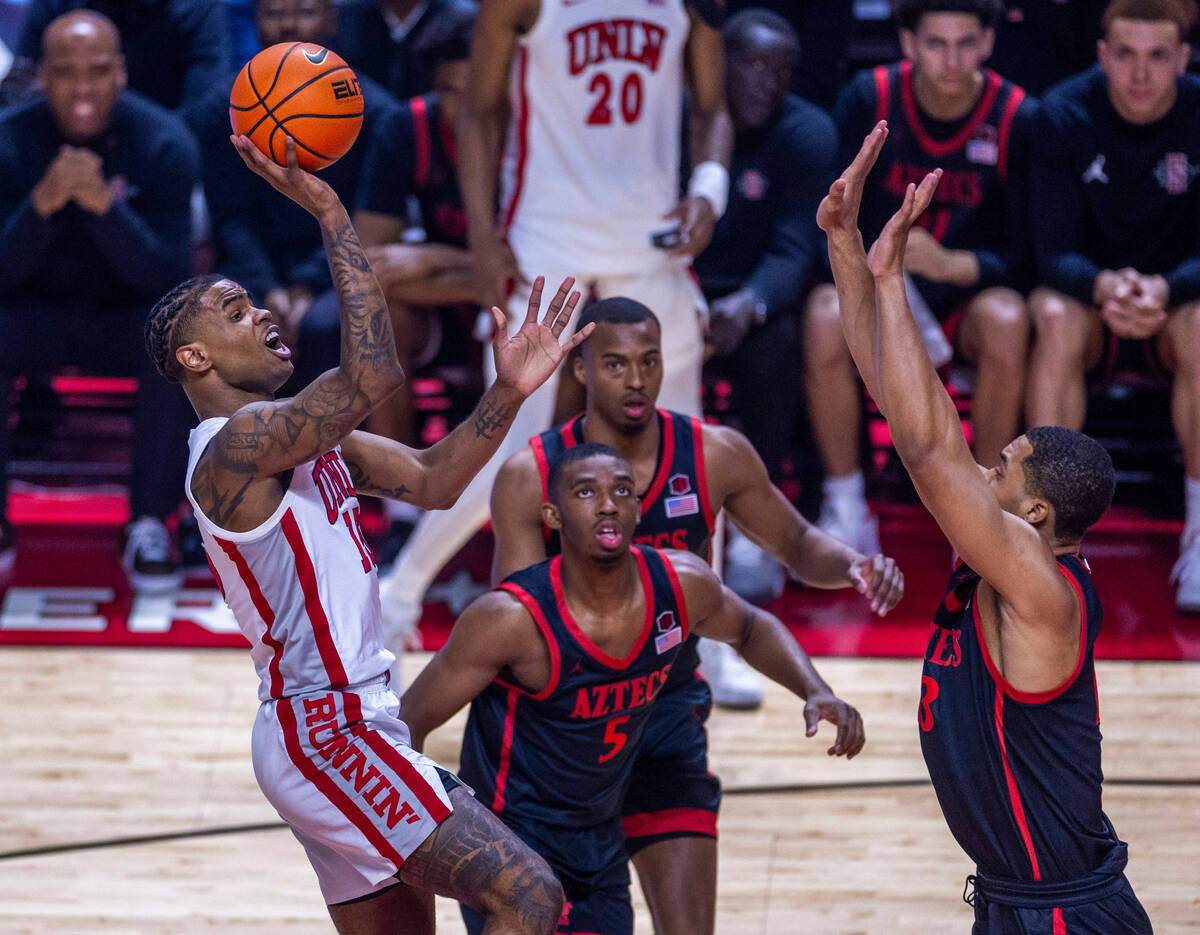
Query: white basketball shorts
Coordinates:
[338,768]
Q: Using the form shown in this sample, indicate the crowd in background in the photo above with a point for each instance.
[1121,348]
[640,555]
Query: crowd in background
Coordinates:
[1063,238]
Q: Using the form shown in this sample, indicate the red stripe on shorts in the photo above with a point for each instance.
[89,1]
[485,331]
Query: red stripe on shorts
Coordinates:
[671,820]
[330,789]
[399,764]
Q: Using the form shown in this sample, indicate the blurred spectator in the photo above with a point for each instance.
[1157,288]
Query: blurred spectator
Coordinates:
[968,257]
[763,254]
[267,243]
[766,246]
[1040,42]
[1116,233]
[388,39]
[415,167]
[94,189]
[175,50]
[411,221]
[823,28]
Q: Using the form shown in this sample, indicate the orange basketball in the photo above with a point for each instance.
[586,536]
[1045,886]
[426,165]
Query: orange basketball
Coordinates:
[302,90]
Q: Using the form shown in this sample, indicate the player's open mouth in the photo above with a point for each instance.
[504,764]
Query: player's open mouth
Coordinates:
[634,408]
[609,535]
[275,344]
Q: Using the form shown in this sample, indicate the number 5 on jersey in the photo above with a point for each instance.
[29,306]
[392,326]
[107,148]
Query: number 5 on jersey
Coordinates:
[614,738]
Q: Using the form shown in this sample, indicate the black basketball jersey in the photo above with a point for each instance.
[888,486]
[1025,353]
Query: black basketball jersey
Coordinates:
[1017,774]
[562,756]
[435,173]
[968,208]
[676,511]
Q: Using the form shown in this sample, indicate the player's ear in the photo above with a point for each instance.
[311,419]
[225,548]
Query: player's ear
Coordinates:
[578,367]
[193,357]
[550,516]
[1037,512]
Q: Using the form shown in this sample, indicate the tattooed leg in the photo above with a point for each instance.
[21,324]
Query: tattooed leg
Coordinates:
[473,858]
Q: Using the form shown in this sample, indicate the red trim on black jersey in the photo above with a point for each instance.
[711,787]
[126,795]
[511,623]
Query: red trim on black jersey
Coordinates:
[421,129]
[312,602]
[264,611]
[1014,794]
[677,589]
[510,719]
[666,456]
[702,480]
[585,641]
[1049,695]
[669,821]
[1006,119]
[991,87]
[535,611]
[449,140]
[522,136]
[543,465]
[1060,924]
[395,760]
[328,788]
[883,93]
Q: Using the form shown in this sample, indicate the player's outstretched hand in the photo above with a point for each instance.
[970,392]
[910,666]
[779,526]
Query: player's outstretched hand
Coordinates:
[826,706]
[837,214]
[886,256]
[526,360]
[311,193]
[880,581]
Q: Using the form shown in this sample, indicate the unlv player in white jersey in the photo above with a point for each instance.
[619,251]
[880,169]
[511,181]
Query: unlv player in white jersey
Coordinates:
[594,94]
[274,483]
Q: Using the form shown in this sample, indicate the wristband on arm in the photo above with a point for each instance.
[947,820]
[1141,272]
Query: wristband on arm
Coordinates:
[710,180]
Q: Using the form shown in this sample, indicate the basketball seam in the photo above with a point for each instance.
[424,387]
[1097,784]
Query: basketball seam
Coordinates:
[269,110]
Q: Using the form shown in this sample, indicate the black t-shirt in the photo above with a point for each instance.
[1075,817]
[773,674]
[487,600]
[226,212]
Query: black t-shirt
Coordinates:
[1108,194]
[768,238]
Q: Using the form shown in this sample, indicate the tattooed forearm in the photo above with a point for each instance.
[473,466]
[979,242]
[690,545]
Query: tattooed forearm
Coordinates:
[367,339]
[364,483]
[489,418]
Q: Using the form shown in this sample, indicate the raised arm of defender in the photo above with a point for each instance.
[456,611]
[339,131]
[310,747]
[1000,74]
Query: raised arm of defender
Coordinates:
[891,357]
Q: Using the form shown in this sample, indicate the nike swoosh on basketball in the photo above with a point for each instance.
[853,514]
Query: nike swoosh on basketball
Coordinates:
[317,58]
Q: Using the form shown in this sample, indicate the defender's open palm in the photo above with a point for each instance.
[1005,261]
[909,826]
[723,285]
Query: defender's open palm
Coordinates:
[311,193]
[526,360]
[886,255]
[826,706]
[838,211]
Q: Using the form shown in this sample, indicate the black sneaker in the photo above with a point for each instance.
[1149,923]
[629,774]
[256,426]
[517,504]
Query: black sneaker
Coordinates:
[8,547]
[150,558]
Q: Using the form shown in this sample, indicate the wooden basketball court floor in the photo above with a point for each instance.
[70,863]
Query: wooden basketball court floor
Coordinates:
[128,804]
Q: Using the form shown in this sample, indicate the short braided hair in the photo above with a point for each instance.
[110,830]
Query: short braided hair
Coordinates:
[169,322]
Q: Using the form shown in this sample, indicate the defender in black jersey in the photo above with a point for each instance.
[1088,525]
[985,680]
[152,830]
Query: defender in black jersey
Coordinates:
[968,260]
[1008,712]
[1116,231]
[564,665]
[687,472]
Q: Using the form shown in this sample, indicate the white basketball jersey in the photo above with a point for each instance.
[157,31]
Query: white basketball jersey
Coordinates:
[592,155]
[302,585]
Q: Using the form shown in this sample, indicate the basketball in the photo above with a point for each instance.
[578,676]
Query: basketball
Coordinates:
[304,91]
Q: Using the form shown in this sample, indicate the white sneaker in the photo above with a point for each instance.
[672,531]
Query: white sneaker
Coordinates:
[751,573]
[1186,574]
[855,526]
[400,617]
[733,682]
[150,559]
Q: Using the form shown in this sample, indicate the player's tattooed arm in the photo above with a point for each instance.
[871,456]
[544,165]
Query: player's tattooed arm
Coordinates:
[473,858]
[437,475]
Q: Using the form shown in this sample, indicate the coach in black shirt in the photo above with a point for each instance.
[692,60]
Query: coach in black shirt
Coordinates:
[95,184]
[765,247]
[1116,231]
